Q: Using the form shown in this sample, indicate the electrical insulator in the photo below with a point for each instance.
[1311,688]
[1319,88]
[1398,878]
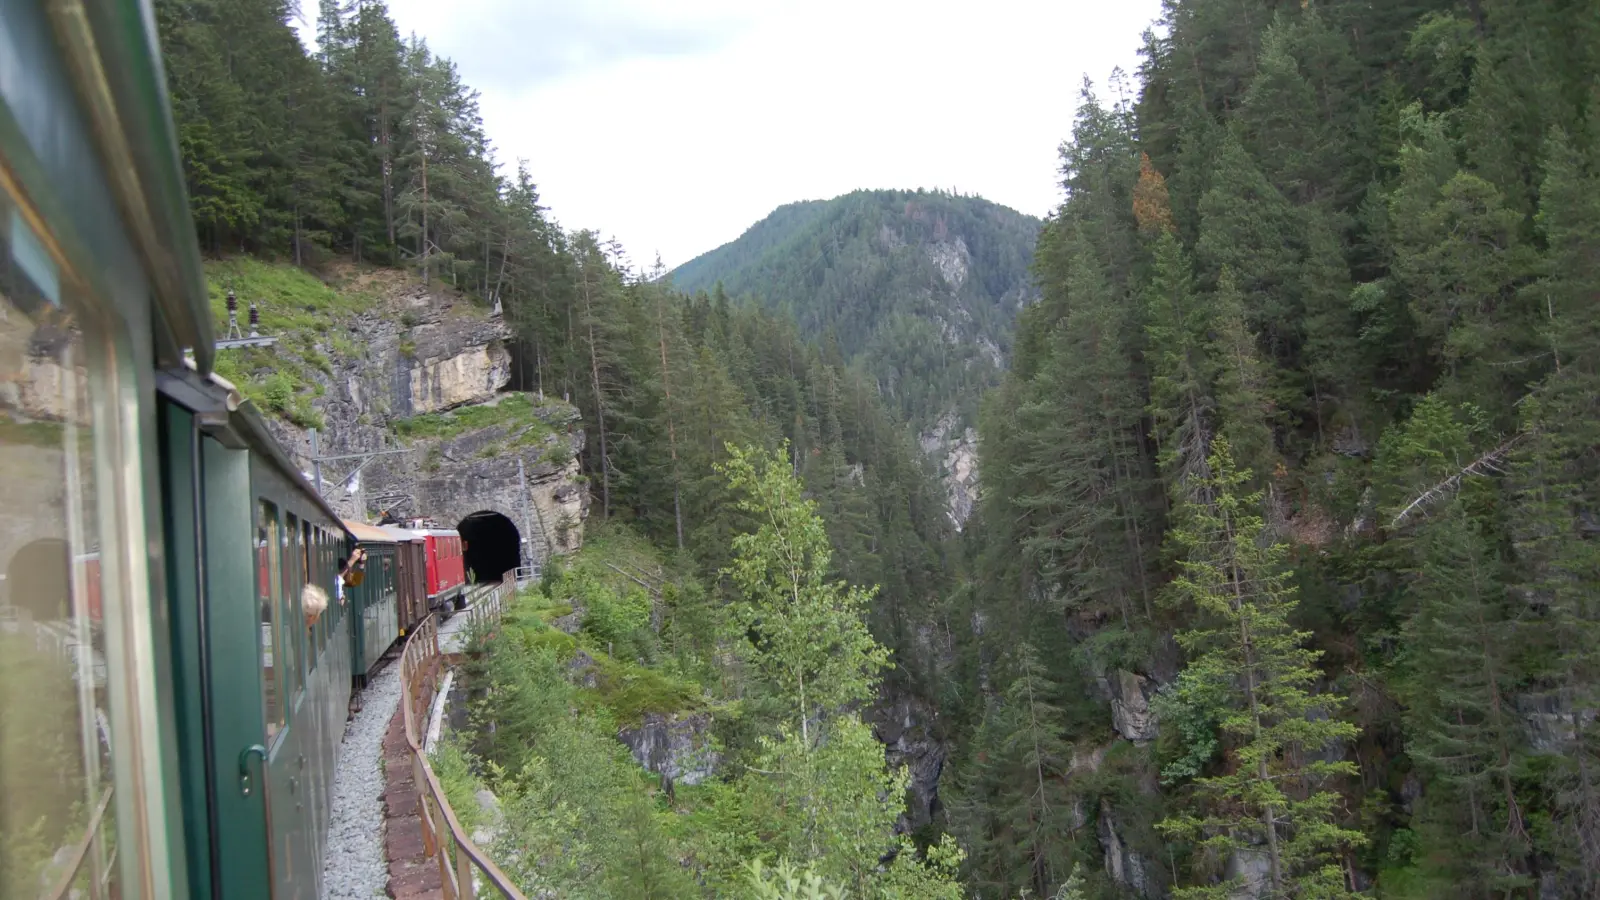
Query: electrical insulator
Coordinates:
[255,319]
[233,304]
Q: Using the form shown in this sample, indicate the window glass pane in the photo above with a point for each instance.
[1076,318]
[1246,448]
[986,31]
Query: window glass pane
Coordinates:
[307,558]
[268,562]
[57,813]
[292,624]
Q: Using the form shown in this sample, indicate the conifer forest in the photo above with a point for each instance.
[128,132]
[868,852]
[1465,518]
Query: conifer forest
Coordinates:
[1283,574]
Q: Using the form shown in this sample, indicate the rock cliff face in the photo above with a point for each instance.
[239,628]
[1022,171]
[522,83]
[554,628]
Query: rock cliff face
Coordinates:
[417,420]
[678,748]
[905,725]
[956,449]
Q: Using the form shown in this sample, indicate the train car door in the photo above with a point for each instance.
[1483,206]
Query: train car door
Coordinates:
[213,578]
[294,872]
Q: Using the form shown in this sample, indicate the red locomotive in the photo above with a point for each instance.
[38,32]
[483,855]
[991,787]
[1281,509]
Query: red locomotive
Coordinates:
[446,562]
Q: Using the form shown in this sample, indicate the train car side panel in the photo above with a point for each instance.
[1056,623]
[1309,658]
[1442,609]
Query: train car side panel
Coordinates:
[232,633]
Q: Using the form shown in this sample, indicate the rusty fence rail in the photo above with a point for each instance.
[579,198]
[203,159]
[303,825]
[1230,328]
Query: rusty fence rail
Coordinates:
[489,604]
[463,867]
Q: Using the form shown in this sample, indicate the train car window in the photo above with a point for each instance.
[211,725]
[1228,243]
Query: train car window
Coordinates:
[312,575]
[292,622]
[58,618]
[273,659]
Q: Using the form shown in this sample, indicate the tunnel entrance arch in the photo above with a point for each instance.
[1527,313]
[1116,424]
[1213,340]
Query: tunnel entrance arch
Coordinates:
[492,545]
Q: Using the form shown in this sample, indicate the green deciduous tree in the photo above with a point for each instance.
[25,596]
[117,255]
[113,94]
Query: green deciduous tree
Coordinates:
[809,638]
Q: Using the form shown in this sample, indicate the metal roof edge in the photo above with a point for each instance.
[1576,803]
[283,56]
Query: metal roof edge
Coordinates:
[114,57]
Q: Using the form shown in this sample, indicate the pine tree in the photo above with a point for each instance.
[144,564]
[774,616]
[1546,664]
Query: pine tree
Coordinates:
[1180,369]
[1462,644]
[1243,396]
[1035,809]
[1243,224]
[1555,476]
[1277,800]
[1085,490]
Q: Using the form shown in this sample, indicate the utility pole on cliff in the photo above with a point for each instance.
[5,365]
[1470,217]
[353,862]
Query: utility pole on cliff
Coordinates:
[522,492]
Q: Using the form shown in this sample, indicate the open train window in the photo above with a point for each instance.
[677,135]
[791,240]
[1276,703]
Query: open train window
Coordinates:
[312,575]
[63,624]
[275,659]
[293,620]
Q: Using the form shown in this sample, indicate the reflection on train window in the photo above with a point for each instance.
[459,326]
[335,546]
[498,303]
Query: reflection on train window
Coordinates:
[267,559]
[307,557]
[57,821]
[293,624]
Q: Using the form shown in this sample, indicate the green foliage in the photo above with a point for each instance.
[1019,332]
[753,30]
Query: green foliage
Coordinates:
[516,412]
[628,691]
[1247,660]
[785,882]
[809,638]
[1356,243]
[1189,738]
[454,767]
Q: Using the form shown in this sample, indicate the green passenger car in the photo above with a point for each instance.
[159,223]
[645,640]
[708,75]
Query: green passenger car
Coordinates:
[374,602]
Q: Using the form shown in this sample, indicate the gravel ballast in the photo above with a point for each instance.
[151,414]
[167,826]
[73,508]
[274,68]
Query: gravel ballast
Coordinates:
[356,869]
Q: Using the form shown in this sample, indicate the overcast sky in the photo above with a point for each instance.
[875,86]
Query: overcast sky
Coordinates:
[674,125]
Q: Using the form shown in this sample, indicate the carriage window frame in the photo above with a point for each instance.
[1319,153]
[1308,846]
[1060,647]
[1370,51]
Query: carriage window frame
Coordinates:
[104,605]
[293,618]
[311,575]
[274,696]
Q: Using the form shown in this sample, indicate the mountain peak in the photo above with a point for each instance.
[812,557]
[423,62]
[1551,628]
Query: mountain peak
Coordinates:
[920,289]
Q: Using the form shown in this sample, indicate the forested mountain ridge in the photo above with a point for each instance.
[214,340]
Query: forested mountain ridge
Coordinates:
[920,289]
[1286,566]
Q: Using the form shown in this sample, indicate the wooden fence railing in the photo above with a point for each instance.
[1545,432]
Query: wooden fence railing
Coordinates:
[461,863]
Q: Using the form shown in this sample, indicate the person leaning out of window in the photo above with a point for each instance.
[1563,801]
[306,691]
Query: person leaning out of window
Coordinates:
[314,600]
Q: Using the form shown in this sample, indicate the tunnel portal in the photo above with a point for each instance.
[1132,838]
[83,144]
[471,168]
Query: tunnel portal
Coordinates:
[493,545]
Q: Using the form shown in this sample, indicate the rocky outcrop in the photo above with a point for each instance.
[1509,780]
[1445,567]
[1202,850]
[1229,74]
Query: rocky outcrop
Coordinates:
[1124,866]
[904,723]
[1131,713]
[951,259]
[583,670]
[1251,871]
[421,351]
[1551,724]
[678,748]
[956,449]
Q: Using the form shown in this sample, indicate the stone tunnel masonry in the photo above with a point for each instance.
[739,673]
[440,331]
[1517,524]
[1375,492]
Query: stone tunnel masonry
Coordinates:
[422,350]
[549,514]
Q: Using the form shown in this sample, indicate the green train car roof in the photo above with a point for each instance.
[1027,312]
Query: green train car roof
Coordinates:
[114,57]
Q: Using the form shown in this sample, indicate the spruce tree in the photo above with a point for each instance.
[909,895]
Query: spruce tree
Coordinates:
[1276,799]
[1462,647]
[1243,397]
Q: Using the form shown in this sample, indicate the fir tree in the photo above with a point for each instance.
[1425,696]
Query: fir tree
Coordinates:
[1277,800]
[1462,643]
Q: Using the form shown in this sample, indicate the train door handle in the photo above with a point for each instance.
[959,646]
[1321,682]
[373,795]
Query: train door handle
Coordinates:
[244,766]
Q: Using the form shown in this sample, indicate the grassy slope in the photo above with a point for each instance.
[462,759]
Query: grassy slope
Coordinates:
[631,680]
[314,320]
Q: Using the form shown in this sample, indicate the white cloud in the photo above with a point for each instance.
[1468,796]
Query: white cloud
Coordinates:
[675,127]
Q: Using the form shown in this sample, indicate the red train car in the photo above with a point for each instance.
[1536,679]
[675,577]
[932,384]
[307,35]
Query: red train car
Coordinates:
[89,577]
[447,569]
